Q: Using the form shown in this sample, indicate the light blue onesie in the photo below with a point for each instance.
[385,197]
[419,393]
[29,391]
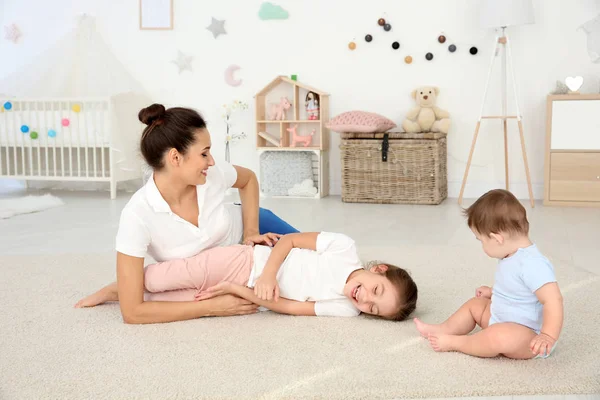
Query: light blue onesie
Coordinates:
[513,295]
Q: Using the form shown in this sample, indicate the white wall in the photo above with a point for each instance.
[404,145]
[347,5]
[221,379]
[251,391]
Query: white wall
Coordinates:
[313,45]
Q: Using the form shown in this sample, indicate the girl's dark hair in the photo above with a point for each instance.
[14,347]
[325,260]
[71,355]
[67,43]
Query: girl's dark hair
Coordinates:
[167,129]
[407,290]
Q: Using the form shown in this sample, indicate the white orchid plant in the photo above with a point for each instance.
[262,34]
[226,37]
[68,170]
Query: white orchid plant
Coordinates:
[228,111]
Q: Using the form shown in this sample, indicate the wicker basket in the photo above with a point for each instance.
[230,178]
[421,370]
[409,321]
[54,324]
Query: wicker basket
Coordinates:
[409,168]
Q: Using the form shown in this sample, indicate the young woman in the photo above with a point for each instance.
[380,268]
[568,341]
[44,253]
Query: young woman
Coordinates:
[181,211]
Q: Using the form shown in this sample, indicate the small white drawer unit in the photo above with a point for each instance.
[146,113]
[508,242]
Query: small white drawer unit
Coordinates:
[572,170]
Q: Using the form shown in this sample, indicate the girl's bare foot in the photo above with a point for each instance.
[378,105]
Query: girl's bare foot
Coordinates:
[440,343]
[425,329]
[108,293]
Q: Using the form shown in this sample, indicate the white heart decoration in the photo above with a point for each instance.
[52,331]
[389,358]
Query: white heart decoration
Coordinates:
[574,82]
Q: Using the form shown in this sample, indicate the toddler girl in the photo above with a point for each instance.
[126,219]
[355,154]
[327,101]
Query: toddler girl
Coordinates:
[304,274]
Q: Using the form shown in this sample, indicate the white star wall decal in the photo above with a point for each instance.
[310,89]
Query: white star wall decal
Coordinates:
[183,62]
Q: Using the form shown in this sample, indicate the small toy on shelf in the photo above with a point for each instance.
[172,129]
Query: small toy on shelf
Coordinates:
[312,106]
[304,189]
[278,109]
[306,140]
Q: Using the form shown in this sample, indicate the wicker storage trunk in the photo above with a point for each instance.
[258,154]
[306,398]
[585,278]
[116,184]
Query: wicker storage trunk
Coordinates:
[394,167]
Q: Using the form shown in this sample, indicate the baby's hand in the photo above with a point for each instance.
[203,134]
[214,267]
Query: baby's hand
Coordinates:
[266,287]
[542,344]
[484,291]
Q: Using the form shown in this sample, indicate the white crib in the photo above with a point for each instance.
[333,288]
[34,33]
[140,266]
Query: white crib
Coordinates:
[71,139]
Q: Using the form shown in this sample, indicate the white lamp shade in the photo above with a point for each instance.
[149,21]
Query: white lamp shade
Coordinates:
[499,13]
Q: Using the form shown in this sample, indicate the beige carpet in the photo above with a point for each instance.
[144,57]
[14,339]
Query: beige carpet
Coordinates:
[48,350]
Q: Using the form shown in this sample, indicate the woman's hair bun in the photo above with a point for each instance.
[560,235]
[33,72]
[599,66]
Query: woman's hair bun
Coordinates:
[150,114]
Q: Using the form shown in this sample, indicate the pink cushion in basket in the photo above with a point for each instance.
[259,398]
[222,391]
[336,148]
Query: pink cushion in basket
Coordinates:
[360,121]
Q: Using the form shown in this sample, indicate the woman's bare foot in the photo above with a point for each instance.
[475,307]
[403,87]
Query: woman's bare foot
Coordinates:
[440,342]
[108,293]
[426,329]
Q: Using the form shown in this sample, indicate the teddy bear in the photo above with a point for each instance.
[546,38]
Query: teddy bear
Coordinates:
[426,117]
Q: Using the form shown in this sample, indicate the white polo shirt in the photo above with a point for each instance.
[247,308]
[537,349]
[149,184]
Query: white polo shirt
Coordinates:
[149,227]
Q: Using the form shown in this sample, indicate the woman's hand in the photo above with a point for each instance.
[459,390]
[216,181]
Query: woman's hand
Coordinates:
[268,239]
[228,305]
[266,287]
[484,291]
[225,302]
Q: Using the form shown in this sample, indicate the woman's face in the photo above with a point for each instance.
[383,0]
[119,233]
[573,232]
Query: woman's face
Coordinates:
[197,160]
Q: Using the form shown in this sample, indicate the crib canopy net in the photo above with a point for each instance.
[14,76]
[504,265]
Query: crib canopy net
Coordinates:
[80,65]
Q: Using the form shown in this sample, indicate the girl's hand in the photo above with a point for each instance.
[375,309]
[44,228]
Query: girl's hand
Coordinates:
[542,344]
[268,239]
[217,290]
[484,291]
[266,288]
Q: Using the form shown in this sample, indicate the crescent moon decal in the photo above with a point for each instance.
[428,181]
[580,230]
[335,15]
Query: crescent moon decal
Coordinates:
[229,79]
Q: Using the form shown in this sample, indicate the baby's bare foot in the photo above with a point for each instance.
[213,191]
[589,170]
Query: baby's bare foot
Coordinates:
[440,342]
[100,297]
[425,329]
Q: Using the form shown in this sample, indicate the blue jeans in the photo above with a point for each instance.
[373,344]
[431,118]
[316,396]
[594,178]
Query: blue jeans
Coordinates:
[269,222]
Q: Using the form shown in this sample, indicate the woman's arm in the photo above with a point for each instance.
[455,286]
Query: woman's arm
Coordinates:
[130,282]
[247,184]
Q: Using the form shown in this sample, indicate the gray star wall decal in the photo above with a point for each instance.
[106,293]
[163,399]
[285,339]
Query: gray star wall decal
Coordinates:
[217,27]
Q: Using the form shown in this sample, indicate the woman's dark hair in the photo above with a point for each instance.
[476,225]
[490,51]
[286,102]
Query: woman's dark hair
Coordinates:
[167,129]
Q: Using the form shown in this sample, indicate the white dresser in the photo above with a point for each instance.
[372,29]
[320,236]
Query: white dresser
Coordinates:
[572,170]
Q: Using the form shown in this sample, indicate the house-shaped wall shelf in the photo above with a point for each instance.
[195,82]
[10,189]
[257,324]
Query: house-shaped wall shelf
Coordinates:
[292,145]
[277,130]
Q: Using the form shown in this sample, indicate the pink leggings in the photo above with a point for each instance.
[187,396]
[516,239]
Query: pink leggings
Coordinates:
[182,279]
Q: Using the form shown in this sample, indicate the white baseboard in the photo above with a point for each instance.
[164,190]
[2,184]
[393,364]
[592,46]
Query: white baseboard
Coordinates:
[476,189]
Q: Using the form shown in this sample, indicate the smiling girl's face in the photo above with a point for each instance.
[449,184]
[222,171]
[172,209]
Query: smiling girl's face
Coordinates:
[371,292]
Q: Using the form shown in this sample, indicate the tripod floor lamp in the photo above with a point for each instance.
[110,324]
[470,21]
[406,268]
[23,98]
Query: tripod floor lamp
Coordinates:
[501,14]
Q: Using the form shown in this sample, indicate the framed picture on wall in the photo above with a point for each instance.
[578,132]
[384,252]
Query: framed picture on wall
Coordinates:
[156,14]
